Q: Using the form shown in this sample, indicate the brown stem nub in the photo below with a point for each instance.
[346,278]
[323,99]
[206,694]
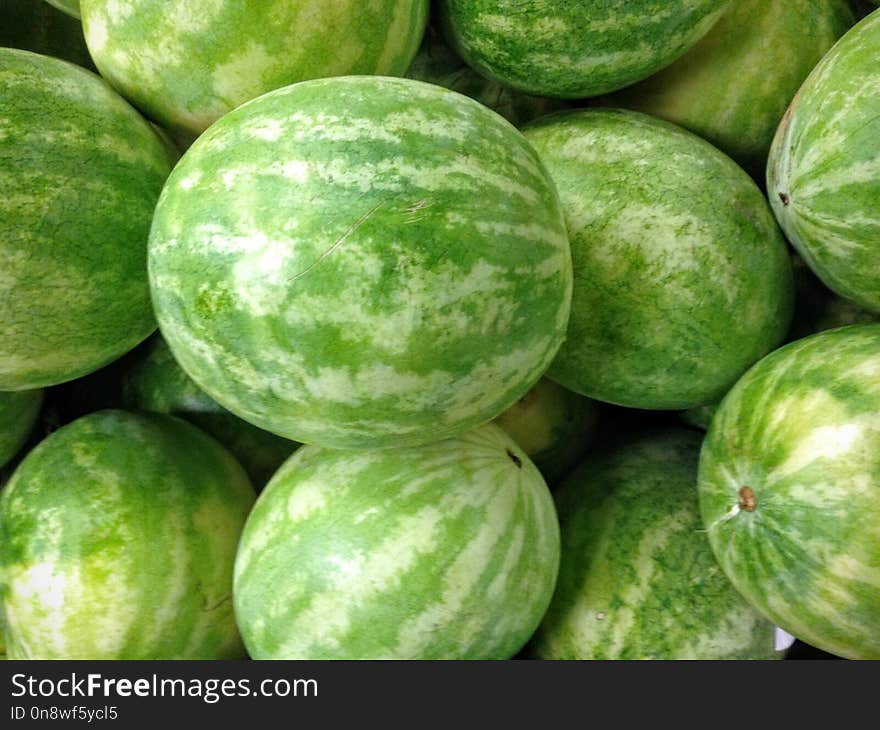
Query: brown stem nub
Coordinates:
[784,198]
[747,501]
[515,459]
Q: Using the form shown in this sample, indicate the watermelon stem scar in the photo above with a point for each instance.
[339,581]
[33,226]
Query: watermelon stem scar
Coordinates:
[747,499]
[746,502]
[784,198]
[515,459]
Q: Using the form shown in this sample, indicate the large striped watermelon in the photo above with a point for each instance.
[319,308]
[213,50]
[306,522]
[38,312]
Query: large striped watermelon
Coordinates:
[18,414]
[444,551]
[186,63]
[824,170]
[362,262]
[437,63]
[156,383]
[117,539]
[734,86]
[790,489]
[572,49]
[35,26]
[638,579]
[554,426]
[682,279]
[82,173]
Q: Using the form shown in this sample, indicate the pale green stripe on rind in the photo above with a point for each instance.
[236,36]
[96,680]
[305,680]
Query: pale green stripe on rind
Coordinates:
[637,578]
[445,551]
[570,48]
[682,278]
[362,262]
[81,173]
[823,176]
[733,87]
[18,414]
[802,430]
[188,62]
[117,540]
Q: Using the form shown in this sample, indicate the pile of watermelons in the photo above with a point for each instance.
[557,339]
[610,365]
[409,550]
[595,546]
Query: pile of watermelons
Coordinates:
[497,264]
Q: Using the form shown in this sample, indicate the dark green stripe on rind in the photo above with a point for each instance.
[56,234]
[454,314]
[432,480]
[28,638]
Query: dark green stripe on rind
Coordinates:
[362,262]
[637,578]
[81,173]
[18,414]
[157,383]
[682,278]
[823,176]
[438,64]
[187,63]
[733,87]
[117,540]
[570,48]
[445,551]
[801,430]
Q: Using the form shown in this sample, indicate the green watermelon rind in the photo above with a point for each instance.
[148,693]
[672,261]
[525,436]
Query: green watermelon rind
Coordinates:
[788,483]
[638,579]
[682,278]
[83,173]
[187,64]
[823,177]
[574,49]
[443,551]
[401,274]
[117,540]
[721,89]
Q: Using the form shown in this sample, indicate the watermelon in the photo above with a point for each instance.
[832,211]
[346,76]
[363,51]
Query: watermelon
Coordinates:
[790,489]
[638,579]
[82,173]
[823,176]
[18,414]
[187,63]
[444,551]
[35,26]
[734,86]
[117,540]
[156,383]
[554,426]
[574,49]
[682,279]
[436,63]
[362,262]
[71,7]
